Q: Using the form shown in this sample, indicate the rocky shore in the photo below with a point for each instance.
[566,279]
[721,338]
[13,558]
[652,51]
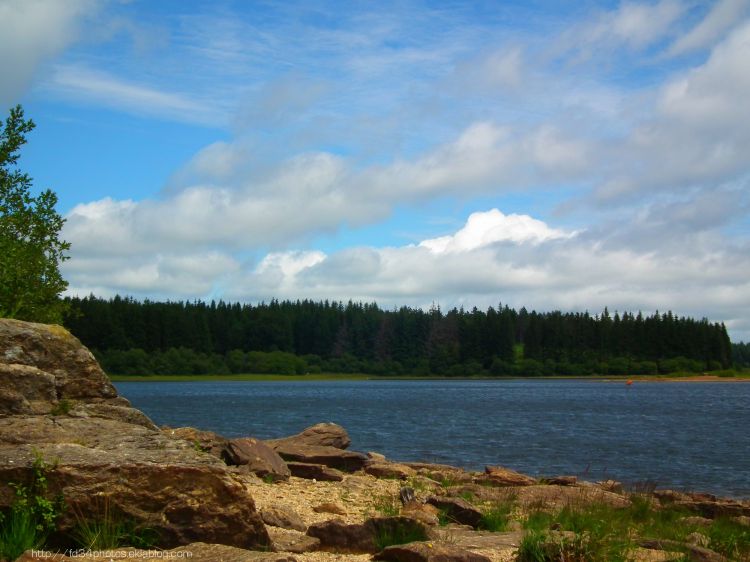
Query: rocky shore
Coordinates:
[307,497]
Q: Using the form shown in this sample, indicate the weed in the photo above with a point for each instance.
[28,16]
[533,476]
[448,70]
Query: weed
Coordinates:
[730,538]
[269,478]
[388,506]
[32,515]
[497,517]
[62,408]
[539,546]
[468,496]
[398,532]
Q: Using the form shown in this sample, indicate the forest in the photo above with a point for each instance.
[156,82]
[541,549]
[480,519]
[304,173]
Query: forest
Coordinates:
[132,337]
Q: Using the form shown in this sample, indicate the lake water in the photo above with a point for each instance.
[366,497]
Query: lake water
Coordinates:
[679,435]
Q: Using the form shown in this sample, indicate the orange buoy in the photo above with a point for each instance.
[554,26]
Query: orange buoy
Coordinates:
[629,382]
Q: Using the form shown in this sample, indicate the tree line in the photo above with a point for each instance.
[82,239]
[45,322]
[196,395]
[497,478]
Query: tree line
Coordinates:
[304,336]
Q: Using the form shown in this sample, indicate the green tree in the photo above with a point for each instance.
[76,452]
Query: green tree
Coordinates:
[30,246]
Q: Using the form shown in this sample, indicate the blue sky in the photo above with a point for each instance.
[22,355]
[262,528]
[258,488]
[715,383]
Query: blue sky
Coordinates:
[552,155]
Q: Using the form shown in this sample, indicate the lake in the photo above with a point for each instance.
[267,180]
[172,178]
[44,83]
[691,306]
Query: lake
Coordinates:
[691,436]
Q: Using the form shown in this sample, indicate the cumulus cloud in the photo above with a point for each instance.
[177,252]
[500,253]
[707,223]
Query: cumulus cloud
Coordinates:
[699,133]
[516,259]
[31,33]
[493,226]
[530,264]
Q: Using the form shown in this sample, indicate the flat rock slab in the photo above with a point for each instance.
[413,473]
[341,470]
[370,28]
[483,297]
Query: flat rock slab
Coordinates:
[501,476]
[337,536]
[385,469]
[284,517]
[286,540]
[315,472]
[478,540]
[428,552]
[318,435]
[332,457]
[457,509]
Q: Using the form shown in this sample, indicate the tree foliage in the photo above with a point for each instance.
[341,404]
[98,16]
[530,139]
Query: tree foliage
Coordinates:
[30,245]
[133,337]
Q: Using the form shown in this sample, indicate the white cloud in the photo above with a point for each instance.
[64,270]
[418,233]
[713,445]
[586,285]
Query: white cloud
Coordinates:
[633,25]
[493,226]
[724,15]
[31,33]
[82,83]
[698,134]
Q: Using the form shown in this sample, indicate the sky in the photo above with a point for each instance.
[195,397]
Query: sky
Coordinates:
[547,154]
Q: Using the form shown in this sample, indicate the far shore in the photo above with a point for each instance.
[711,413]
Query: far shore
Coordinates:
[620,379]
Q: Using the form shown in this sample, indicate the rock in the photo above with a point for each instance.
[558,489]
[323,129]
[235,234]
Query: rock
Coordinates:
[330,507]
[101,453]
[332,457]
[428,552]
[207,441]
[501,476]
[258,457]
[443,474]
[336,535]
[611,486]
[315,472]
[195,552]
[381,469]
[457,509]
[32,389]
[286,540]
[111,411]
[284,517]
[698,539]
[319,435]
[743,520]
[55,351]
[340,536]
[423,512]
[499,544]
[696,521]
[406,494]
[706,505]
[544,497]
[560,481]
[694,553]
[377,457]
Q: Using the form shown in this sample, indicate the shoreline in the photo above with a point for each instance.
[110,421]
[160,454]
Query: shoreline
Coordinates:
[329,377]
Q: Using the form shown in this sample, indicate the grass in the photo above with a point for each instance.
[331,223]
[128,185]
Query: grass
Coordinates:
[62,408]
[18,533]
[110,529]
[387,506]
[612,534]
[497,517]
[400,531]
[32,516]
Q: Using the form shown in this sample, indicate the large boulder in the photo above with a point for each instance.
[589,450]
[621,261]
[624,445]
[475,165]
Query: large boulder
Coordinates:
[59,407]
[338,536]
[257,457]
[318,435]
[54,350]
